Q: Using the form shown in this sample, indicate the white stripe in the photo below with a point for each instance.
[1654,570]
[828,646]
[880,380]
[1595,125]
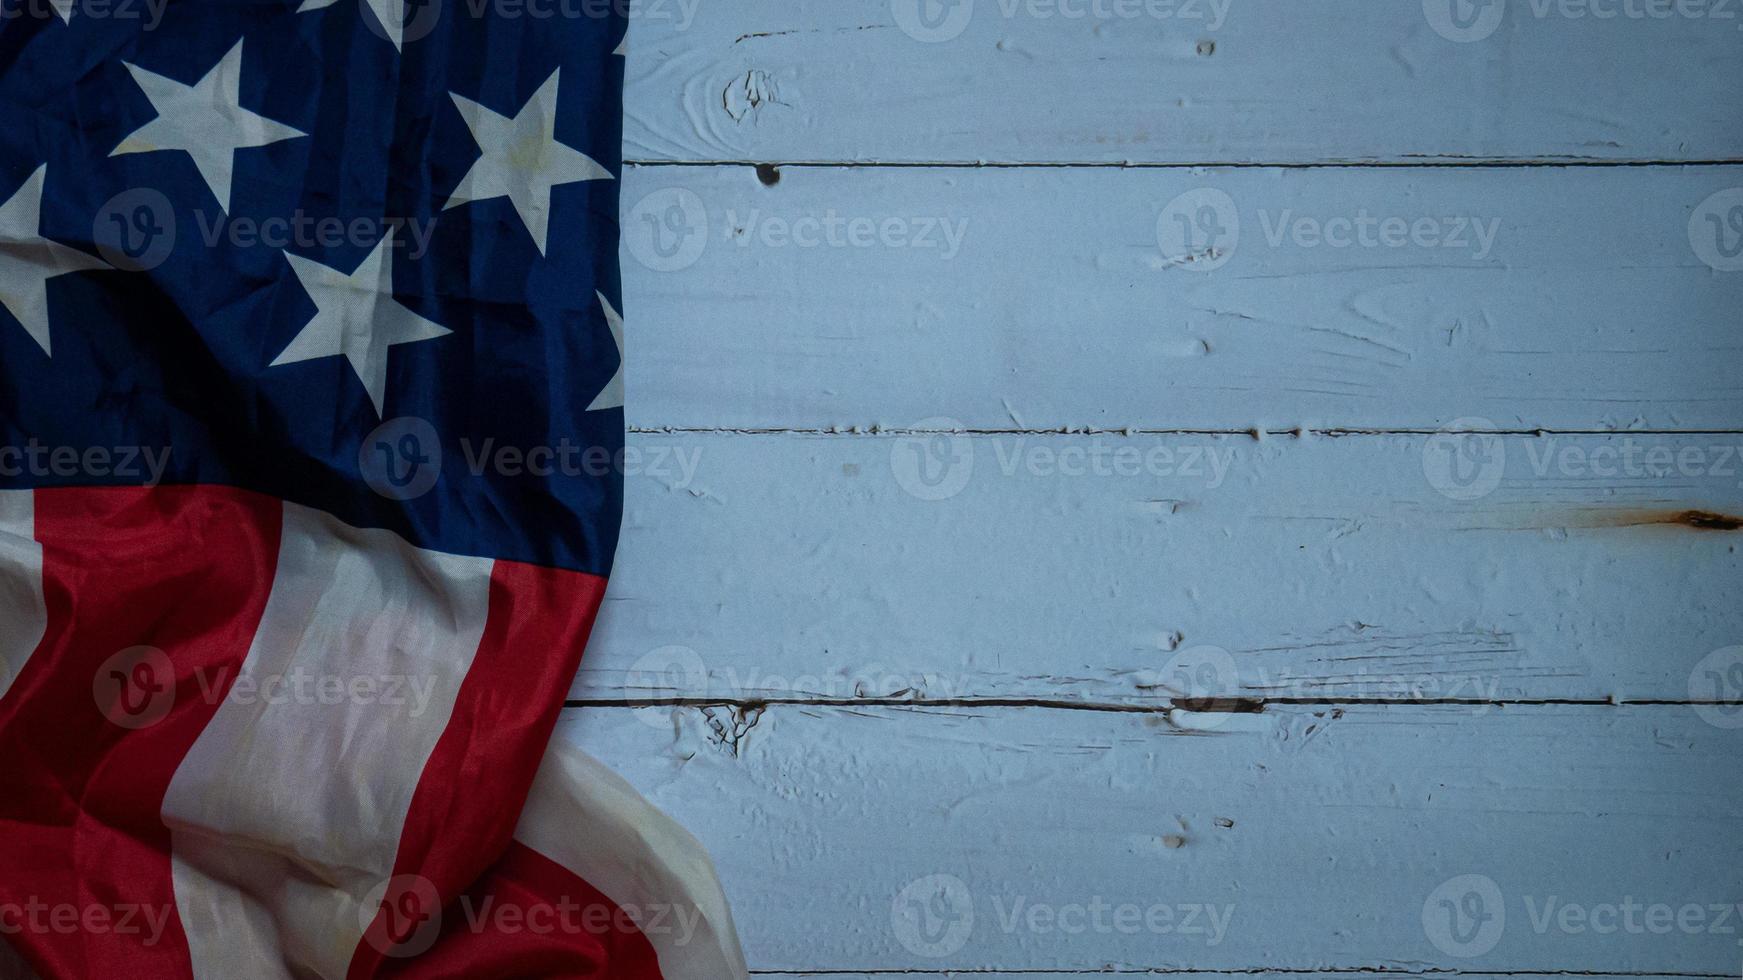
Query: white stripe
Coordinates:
[586,818]
[290,805]
[23,616]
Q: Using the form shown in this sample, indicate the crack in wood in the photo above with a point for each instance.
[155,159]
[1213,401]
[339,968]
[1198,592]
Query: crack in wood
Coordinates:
[1237,705]
[1335,432]
[1436,163]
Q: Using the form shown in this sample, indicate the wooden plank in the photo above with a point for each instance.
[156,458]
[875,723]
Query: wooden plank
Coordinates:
[1148,81]
[1098,568]
[1323,837]
[1567,299]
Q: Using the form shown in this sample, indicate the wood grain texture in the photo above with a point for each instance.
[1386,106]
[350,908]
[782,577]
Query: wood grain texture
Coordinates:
[1320,835]
[1553,298]
[1082,568]
[1178,81]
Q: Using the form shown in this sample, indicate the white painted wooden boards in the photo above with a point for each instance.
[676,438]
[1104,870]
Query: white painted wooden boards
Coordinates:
[947,535]
[1553,298]
[1093,568]
[1269,81]
[1323,837]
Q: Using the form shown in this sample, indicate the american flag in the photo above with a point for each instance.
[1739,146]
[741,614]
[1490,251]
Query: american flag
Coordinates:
[311,389]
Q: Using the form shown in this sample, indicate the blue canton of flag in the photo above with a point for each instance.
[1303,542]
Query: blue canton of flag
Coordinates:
[352,255]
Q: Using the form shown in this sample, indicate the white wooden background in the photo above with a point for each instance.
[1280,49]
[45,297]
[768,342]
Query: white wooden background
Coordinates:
[997,554]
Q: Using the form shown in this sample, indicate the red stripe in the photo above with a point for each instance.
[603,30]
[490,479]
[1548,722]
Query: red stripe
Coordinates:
[184,570]
[531,917]
[477,779]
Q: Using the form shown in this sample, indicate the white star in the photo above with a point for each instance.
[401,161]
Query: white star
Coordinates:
[28,261]
[612,396]
[357,317]
[206,120]
[522,159]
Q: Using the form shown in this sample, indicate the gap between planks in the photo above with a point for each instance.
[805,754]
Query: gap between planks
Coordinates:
[1252,972]
[1232,705]
[1334,432]
[1435,163]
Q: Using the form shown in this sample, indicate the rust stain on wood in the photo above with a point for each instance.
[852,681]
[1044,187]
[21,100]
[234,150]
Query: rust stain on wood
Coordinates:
[1697,520]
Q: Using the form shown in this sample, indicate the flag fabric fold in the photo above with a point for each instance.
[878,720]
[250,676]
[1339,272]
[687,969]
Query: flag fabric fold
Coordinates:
[311,449]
